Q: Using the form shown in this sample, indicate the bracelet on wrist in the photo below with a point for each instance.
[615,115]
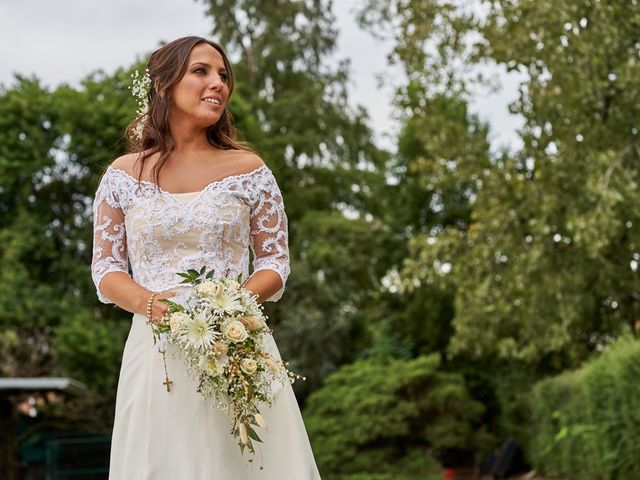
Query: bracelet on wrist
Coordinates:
[149,305]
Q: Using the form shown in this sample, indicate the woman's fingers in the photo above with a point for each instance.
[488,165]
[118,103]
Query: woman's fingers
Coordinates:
[160,308]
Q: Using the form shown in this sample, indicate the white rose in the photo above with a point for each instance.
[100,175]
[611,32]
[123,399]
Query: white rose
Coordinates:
[234,330]
[252,322]
[272,364]
[177,319]
[249,366]
[207,288]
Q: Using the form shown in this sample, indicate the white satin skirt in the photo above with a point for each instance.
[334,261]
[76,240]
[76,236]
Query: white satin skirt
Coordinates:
[178,435]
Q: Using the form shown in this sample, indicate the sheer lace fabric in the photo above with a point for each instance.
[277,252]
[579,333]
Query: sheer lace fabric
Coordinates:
[155,234]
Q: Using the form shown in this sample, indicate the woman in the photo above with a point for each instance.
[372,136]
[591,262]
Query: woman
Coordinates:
[189,195]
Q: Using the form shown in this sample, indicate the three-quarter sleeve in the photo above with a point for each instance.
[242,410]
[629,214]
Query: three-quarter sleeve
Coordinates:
[109,235]
[269,230]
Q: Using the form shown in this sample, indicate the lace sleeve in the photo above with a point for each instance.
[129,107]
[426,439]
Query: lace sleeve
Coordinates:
[269,230]
[109,236]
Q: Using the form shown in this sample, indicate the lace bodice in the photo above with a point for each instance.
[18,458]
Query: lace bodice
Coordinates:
[159,233]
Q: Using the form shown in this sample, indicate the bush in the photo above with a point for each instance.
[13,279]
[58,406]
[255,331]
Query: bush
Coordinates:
[391,418]
[586,423]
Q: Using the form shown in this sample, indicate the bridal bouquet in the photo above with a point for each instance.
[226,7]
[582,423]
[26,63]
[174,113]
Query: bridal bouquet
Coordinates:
[220,337]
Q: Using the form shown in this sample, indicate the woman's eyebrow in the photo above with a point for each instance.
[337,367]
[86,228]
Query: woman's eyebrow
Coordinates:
[205,64]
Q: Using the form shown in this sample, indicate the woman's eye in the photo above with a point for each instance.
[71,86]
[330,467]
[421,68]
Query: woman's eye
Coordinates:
[224,77]
[197,70]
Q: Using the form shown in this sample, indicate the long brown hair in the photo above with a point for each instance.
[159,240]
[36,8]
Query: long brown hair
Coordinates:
[166,67]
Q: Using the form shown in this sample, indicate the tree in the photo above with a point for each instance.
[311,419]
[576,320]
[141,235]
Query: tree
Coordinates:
[539,268]
[49,323]
[47,153]
[393,417]
[544,271]
[442,152]
[295,110]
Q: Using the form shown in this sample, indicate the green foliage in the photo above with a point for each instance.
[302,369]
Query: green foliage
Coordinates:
[525,257]
[392,417]
[443,151]
[430,39]
[545,272]
[520,263]
[585,423]
[89,350]
[415,465]
[541,266]
[52,145]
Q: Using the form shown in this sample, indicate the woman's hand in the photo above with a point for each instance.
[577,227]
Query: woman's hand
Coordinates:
[160,309]
[263,283]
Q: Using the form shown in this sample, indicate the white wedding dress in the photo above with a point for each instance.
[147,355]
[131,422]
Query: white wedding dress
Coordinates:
[177,435]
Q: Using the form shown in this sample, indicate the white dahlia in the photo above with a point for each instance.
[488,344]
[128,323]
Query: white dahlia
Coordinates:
[198,332]
[225,301]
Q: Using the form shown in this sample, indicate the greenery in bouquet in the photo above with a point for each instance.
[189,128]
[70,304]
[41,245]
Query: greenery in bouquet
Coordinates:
[220,333]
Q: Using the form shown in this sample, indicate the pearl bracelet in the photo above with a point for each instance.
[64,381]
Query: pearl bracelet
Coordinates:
[149,304]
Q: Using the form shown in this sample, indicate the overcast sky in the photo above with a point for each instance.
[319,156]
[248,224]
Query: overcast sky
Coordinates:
[64,40]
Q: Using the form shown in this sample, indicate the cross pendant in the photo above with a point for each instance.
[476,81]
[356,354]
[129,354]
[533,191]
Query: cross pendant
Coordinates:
[168,383]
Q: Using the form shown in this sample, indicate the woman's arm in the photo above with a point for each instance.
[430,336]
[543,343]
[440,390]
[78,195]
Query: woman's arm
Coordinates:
[110,263]
[269,240]
[264,283]
[131,296]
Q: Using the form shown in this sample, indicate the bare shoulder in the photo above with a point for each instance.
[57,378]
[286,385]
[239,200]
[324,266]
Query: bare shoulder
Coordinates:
[130,163]
[126,162]
[246,161]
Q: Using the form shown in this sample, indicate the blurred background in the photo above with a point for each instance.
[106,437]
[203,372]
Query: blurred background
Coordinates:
[461,182]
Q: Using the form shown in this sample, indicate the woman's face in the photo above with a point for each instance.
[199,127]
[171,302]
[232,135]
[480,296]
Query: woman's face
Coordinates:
[202,93]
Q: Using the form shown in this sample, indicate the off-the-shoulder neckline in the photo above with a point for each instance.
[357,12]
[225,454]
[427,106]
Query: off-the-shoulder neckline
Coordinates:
[207,187]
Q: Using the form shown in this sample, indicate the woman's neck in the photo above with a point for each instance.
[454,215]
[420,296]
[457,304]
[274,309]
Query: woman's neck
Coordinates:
[189,139]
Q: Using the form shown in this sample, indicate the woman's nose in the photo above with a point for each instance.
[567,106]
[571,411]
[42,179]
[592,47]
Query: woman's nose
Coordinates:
[216,82]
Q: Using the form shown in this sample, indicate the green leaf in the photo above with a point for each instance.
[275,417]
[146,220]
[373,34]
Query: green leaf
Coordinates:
[173,306]
[252,434]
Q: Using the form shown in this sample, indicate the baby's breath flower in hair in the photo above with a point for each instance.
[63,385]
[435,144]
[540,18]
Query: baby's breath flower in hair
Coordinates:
[140,87]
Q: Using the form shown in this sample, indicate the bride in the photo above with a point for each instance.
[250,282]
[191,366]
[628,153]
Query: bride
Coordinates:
[189,195]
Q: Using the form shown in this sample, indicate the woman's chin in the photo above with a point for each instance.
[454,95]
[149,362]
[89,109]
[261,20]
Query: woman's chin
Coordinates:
[212,116]
[208,121]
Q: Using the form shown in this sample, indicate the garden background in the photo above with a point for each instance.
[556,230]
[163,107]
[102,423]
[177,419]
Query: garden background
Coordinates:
[445,294]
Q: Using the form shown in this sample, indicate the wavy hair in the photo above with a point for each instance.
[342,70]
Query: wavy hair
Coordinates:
[166,67]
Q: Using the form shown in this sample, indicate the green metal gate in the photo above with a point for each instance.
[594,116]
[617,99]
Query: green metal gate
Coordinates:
[79,457]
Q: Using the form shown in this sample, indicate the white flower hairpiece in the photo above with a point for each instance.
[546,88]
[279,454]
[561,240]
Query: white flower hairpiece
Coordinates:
[140,87]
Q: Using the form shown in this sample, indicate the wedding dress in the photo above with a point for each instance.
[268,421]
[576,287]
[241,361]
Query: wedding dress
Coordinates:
[177,434]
